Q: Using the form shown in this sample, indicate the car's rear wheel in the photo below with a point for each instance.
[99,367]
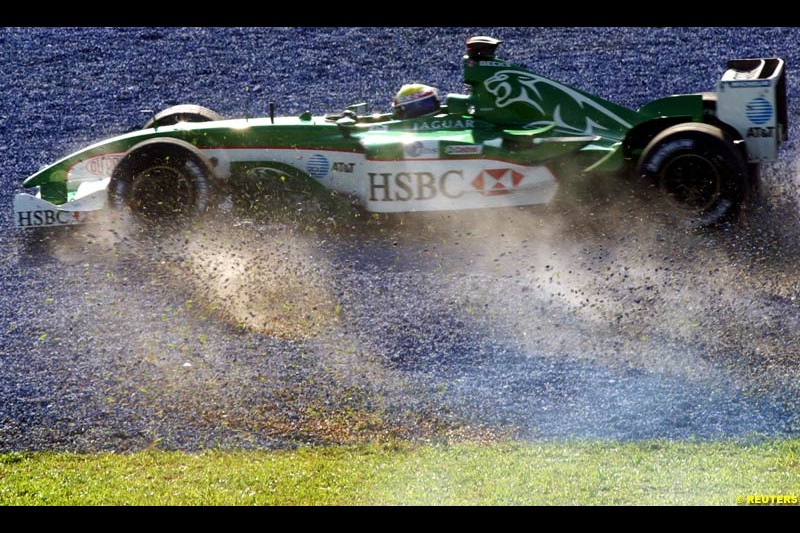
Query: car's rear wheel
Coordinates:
[182,113]
[162,179]
[699,171]
[710,101]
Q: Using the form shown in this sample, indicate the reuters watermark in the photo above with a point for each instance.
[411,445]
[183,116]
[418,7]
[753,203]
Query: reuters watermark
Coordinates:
[767,499]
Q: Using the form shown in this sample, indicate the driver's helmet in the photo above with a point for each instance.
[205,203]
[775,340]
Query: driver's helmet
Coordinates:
[415,100]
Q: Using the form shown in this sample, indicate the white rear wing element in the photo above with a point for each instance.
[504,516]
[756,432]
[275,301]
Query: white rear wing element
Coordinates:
[751,97]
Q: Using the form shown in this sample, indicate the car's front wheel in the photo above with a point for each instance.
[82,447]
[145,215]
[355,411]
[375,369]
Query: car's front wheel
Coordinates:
[699,171]
[162,179]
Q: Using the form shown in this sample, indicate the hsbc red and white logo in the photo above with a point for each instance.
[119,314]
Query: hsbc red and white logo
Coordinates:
[496,181]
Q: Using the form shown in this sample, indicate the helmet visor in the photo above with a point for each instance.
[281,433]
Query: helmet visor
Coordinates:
[417,108]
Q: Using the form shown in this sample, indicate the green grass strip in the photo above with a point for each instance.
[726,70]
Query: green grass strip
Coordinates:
[548,473]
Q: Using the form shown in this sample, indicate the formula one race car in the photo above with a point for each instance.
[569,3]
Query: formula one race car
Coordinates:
[509,141]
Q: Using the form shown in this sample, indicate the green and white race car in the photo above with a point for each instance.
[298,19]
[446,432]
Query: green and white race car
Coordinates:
[511,140]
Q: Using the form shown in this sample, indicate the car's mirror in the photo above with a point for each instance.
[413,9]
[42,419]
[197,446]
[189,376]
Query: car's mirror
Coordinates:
[360,108]
[346,125]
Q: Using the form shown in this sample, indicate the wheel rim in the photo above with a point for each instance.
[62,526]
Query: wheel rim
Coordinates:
[691,182]
[162,192]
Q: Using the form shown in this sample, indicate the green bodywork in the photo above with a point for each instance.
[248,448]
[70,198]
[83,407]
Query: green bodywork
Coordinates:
[512,114]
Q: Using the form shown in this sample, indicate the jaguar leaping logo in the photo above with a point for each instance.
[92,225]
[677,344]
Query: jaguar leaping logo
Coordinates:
[584,115]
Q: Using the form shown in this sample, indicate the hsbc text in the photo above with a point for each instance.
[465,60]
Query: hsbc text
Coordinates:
[405,186]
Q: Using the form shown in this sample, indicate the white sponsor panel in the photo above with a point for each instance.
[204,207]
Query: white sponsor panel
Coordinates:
[399,186]
[419,185]
[340,171]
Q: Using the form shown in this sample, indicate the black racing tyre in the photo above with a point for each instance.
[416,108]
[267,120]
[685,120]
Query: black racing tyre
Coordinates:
[162,179]
[699,171]
[182,113]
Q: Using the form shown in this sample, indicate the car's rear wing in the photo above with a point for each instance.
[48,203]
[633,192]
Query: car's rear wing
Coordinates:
[751,97]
